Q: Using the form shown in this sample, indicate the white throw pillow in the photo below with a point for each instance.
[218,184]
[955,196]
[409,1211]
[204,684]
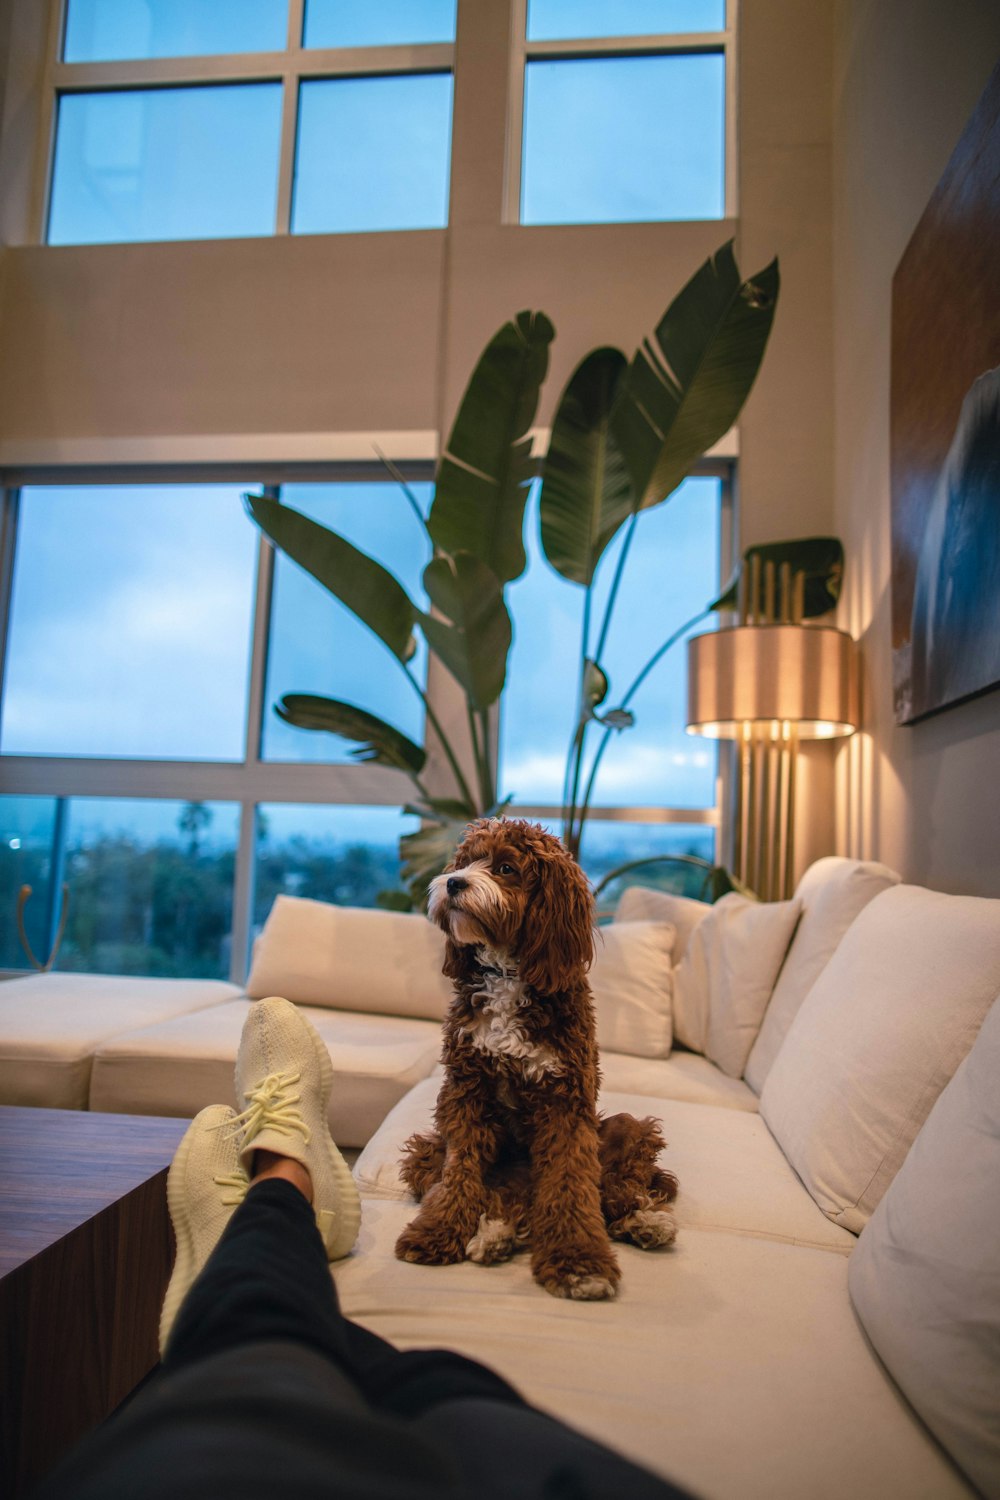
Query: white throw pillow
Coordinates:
[640,903]
[832,891]
[724,982]
[631,978]
[350,958]
[877,1038]
[925,1278]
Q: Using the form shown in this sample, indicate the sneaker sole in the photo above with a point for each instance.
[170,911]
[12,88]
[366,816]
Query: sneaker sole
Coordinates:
[183,1273]
[339,1239]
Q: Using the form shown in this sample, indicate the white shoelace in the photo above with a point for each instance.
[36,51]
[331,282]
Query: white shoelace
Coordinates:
[236,1184]
[271,1107]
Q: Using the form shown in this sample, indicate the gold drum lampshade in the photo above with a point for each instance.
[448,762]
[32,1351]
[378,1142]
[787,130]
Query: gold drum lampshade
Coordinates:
[768,685]
[759,675]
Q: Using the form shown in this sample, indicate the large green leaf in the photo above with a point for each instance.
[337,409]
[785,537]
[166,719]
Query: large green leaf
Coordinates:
[681,396]
[377,741]
[425,853]
[357,580]
[486,468]
[474,636]
[820,558]
[586,488]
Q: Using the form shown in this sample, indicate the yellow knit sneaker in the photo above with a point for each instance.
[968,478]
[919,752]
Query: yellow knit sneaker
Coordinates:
[284,1077]
[205,1183]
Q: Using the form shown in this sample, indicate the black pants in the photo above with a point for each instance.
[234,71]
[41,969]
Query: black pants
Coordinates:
[267,1390]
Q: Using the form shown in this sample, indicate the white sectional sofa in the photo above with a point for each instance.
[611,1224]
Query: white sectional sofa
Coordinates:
[827,1072]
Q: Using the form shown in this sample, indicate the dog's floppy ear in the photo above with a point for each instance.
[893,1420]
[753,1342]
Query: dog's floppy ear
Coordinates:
[557,936]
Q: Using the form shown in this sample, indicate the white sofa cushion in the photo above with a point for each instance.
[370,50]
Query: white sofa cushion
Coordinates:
[179,1066]
[925,1278]
[732,1175]
[640,903]
[683,1075]
[832,891]
[724,982]
[732,1365]
[50,1025]
[877,1038]
[632,983]
[350,958]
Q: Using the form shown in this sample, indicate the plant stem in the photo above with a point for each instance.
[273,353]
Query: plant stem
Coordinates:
[574,757]
[463,785]
[670,641]
[398,477]
[490,788]
[615,582]
[573,827]
[477,753]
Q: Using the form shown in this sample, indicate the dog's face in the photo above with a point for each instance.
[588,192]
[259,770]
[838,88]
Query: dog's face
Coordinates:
[513,887]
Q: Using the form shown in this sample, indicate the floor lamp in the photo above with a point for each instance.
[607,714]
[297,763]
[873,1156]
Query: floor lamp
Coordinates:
[768,683]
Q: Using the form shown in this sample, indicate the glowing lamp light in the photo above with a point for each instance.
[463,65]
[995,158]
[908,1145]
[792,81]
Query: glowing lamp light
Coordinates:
[771,681]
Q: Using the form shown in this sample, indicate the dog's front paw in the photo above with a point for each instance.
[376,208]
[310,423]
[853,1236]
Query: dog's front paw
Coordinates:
[581,1287]
[587,1276]
[494,1241]
[429,1246]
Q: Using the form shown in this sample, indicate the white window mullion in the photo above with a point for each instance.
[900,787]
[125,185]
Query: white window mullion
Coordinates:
[517,58]
[286,160]
[732,113]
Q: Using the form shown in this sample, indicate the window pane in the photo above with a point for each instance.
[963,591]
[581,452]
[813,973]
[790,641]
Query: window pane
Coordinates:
[671,574]
[607,845]
[27,830]
[166,164]
[318,646]
[334,23]
[373,153]
[130,623]
[341,854]
[108,30]
[611,140]
[550,20]
[150,887]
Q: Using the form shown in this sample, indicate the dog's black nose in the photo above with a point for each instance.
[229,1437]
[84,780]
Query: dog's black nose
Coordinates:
[456,883]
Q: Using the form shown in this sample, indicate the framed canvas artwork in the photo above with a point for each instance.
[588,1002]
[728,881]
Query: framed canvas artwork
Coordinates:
[945,433]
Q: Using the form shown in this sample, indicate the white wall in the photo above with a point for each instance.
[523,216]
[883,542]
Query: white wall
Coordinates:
[907,76]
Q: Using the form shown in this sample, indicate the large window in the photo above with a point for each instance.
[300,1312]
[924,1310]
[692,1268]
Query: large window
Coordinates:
[626,111]
[149,633]
[184,119]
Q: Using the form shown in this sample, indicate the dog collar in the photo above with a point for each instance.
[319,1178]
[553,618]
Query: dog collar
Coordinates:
[499,970]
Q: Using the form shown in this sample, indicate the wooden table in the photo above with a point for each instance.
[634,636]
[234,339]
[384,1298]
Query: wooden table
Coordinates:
[85,1255]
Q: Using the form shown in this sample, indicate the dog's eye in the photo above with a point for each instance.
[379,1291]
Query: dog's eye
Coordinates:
[506,870]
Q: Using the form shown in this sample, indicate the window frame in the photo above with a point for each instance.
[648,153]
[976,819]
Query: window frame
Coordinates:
[666,44]
[252,781]
[292,66]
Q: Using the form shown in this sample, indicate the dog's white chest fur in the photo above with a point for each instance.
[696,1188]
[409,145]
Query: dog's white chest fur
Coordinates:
[497,1027]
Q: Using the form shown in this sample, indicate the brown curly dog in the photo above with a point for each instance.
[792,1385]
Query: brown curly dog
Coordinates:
[519,1155]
